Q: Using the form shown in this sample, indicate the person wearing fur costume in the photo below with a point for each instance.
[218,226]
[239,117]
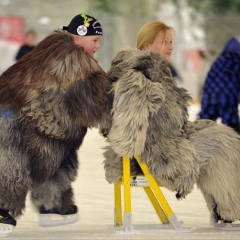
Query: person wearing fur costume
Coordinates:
[148,117]
[48,100]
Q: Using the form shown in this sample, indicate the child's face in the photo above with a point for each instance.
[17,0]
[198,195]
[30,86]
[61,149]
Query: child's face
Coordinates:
[162,46]
[90,44]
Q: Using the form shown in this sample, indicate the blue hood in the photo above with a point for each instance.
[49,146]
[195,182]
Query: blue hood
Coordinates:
[232,45]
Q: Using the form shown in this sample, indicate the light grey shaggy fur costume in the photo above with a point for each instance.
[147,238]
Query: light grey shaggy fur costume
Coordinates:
[148,117]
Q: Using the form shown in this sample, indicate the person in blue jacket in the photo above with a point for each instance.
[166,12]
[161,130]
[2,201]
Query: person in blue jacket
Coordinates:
[222,86]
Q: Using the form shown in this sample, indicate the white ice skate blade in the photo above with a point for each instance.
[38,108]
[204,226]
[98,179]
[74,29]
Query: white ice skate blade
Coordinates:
[159,231]
[145,226]
[230,227]
[5,229]
[152,229]
[53,220]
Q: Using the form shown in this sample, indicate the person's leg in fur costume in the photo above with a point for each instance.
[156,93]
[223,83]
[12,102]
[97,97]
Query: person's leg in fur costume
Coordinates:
[219,181]
[15,181]
[55,93]
[55,195]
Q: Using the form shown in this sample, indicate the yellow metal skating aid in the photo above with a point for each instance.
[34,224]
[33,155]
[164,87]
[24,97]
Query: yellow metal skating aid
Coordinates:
[169,221]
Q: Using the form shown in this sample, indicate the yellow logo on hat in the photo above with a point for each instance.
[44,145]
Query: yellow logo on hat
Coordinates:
[86,19]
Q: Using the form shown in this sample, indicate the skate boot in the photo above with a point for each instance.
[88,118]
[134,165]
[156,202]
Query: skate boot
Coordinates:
[53,217]
[7,223]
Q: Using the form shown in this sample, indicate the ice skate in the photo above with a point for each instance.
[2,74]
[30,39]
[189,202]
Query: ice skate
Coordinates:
[226,225]
[229,226]
[52,218]
[7,223]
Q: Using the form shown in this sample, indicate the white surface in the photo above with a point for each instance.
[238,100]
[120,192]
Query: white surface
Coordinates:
[94,197]
[8,50]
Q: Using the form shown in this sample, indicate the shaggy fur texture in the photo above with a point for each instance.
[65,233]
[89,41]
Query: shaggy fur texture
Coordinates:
[219,179]
[149,118]
[55,92]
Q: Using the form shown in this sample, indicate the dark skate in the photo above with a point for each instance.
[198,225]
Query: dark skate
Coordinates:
[7,223]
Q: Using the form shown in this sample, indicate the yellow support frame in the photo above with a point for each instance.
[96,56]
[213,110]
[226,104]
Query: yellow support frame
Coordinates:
[118,205]
[155,188]
[159,211]
[155,195]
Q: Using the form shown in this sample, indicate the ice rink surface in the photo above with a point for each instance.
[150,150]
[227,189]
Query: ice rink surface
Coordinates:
[94,197]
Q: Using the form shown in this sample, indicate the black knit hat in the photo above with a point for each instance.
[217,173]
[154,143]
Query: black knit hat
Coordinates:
[84,25]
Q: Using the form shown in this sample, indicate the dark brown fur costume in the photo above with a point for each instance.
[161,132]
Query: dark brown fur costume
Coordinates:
[149,118]
[55,93]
